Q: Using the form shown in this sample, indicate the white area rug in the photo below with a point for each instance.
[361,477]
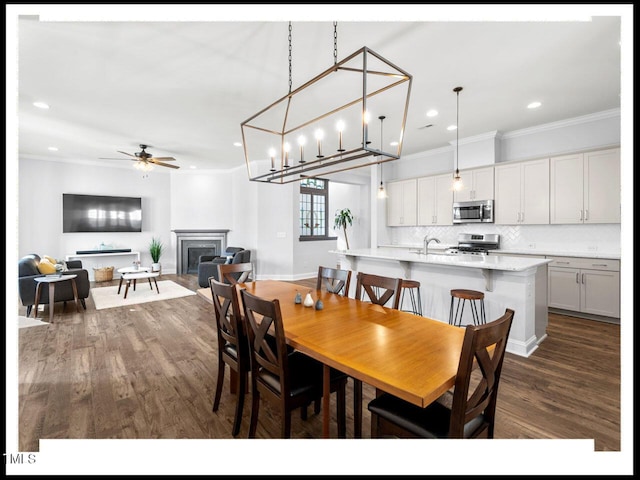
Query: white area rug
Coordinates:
[24,322]
[107,297]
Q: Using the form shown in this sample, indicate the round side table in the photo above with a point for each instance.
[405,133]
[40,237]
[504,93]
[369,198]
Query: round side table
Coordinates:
[52,280]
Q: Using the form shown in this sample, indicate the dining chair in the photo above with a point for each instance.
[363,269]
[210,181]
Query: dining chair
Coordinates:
[334,280]
[473,406]
[233,346]
[287,379]
[379,290]
[235,272]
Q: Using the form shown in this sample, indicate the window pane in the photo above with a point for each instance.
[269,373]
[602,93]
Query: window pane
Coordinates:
[319,215]
[305,214]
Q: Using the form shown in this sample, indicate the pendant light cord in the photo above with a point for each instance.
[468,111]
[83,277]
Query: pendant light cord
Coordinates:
[335,43]
[290,81]
[457,90]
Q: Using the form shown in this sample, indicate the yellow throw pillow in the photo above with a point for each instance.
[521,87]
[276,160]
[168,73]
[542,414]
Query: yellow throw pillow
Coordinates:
[51,259]
[46,267]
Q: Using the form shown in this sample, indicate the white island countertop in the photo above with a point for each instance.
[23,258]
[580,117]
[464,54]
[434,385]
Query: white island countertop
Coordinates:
[488,262]
[548,251]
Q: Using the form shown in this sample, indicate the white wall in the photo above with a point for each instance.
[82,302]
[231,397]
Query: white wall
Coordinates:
[40,188]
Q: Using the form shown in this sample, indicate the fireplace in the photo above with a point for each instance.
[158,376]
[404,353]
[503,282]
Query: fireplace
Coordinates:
[193,243]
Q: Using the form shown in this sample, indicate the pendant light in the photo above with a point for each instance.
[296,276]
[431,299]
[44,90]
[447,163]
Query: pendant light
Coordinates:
[457,181]
[381,191]
[350,91]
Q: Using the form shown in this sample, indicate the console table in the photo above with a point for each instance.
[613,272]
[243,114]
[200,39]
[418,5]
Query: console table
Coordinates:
[99,258]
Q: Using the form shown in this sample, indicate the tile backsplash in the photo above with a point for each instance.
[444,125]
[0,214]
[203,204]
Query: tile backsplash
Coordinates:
[582,238]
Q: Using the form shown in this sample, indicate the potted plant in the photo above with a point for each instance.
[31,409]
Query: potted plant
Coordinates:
[343,218]
[155,249]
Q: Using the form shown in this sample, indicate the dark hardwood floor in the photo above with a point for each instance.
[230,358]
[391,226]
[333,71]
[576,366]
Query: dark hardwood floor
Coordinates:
[148,371]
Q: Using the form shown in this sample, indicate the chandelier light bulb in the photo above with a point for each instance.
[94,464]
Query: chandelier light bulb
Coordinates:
[302,141]
[319,134]
[340,127]
[286,147]
[272,154]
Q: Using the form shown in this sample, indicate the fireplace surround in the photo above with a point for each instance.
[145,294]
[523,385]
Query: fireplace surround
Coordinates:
[190,244]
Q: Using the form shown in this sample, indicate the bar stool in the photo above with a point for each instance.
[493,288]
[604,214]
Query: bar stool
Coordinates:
[413,286]
[472,296]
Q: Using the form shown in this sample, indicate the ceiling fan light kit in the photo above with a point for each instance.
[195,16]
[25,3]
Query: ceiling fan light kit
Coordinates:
[327,119]
[145,161]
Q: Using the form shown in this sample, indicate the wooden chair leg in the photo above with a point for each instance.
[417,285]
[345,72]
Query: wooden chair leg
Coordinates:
[286,424]
[357,408]
[342,411]
[255,406]
[239,405]
[219,382]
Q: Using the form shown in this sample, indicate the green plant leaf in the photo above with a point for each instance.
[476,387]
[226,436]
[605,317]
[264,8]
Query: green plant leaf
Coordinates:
[155,249]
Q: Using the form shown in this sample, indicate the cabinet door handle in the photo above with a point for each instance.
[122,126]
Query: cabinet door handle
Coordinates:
[581,214]
[586,215]
[434,219]
[577,277]
[599,264]
[563,263]
[583,278]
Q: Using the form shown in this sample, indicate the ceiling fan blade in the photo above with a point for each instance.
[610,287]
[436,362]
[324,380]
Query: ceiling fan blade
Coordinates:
[125,153]
[162,164]
[113,158]
[163,159]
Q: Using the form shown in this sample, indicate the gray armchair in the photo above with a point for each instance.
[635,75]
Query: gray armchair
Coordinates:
[208,264]
[28,270]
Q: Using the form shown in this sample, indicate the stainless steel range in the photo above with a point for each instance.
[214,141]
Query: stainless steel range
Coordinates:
[476,243]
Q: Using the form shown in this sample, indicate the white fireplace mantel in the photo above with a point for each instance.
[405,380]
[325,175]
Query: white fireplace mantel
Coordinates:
[185,238]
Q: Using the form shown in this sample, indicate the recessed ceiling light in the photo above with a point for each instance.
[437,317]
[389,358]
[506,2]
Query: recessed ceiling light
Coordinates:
[53,149]
[193,166]
[534,105]
[451,127]
[41,105]
[393,144]
[432,113]
[237,144]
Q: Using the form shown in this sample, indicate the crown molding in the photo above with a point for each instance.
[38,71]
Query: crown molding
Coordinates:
[592,117]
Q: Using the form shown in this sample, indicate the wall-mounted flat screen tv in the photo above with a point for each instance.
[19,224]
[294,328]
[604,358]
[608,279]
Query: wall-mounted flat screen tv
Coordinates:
[100,213]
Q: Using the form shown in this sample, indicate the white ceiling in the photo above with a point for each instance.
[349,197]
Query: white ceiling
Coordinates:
[184,87]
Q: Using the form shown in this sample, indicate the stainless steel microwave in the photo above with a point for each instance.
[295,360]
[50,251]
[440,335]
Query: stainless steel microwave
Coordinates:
[480,211]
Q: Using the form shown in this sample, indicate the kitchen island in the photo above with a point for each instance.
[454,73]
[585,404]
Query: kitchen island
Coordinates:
[519,283]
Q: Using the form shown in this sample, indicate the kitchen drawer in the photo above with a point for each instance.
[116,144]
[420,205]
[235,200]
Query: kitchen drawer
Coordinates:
[590,263]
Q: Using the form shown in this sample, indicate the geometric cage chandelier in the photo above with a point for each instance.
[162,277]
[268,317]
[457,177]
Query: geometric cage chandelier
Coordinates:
[323,126]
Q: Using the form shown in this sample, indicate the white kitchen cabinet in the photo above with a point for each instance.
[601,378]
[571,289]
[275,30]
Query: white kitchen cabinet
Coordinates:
[402,203]
[435,200]
[477,184]
[585,187]
[587,285]
[522,193]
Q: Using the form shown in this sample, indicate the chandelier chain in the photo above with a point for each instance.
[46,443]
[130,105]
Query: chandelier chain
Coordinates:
[290,81]
[335,43]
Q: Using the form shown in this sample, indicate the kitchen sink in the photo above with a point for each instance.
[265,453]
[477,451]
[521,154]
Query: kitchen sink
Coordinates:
[436,253]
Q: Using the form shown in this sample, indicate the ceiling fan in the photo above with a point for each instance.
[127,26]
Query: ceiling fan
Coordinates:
[146,159]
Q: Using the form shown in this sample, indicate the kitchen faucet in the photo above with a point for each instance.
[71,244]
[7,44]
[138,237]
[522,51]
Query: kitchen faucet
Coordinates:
[427,240]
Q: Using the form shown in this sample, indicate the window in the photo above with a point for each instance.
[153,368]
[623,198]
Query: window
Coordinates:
[314,200]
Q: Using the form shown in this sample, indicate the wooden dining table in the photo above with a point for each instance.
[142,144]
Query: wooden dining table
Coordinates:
[412,357]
